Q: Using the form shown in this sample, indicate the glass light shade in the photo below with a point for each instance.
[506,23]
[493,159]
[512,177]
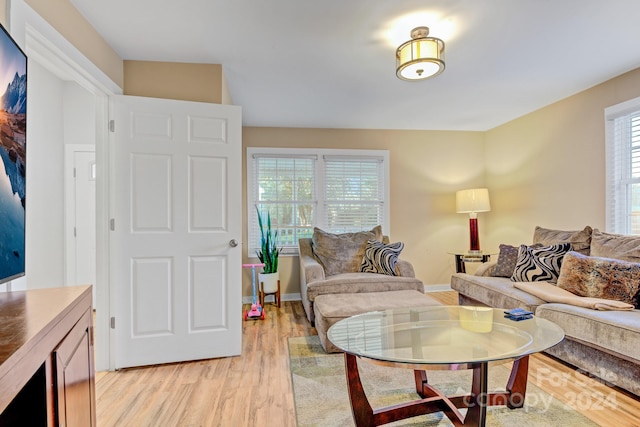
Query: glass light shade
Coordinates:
[420,58]
[473,200]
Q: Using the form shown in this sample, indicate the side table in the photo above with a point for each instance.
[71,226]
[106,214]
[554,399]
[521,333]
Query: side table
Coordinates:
[466,256]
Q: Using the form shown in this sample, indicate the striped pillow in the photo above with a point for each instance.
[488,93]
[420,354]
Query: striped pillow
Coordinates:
[539,264]
[380,258]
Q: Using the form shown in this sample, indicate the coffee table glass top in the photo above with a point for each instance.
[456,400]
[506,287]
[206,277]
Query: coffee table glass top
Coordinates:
[442,335]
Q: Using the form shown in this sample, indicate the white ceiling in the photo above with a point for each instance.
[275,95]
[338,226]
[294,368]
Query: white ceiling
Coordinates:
[331,63]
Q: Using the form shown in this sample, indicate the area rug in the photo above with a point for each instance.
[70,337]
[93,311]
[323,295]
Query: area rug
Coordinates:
[321,397]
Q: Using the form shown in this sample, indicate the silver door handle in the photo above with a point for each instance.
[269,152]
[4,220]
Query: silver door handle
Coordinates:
[233,243]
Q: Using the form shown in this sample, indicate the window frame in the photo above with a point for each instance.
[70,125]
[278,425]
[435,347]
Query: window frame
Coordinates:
[618,170]
[319,179]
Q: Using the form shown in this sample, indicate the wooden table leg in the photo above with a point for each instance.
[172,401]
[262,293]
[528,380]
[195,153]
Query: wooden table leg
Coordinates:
[360,407]
[516,387]
[477,409]
[517,384]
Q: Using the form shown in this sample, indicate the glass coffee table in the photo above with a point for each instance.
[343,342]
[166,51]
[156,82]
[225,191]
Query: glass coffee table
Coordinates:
[441,338]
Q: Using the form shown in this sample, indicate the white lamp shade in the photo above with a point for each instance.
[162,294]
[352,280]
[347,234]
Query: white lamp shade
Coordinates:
[474,200]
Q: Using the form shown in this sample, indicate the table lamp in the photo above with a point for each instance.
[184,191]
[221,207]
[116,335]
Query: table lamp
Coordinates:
[473,201]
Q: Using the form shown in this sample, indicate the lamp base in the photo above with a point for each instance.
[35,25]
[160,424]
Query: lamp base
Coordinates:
[474,240]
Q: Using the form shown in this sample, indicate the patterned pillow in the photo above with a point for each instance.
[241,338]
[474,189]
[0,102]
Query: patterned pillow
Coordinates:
[380,258]
[539,264]
[507,260]
[597,277]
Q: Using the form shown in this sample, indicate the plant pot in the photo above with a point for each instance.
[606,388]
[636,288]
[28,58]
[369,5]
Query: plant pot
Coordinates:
[269,282]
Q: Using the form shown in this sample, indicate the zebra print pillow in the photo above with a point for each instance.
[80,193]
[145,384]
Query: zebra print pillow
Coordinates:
[380,258]
[538,264]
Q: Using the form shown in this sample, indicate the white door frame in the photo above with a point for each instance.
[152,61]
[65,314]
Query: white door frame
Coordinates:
[44,44]
[69,206]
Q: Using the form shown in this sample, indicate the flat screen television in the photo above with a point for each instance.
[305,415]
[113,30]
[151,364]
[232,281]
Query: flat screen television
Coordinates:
[13,154]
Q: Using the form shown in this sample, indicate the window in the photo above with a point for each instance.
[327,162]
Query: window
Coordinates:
[336,190]
[623,167]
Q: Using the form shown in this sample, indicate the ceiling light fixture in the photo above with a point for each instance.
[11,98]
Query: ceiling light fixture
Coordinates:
[421,57]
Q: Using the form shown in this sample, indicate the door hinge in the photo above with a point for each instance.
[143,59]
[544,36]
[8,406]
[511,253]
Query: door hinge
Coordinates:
[91,336]
[112,224]
[74,173]
[113,323]
[112,125]
[75,233]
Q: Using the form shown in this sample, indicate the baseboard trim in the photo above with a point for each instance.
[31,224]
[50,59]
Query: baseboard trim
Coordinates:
[283,297]
[296,297]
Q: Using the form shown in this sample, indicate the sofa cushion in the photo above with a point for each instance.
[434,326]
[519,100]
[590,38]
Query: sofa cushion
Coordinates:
[596,277]
[580,239]
[539,264]
[615,331]
[342,253]
[380,258]
[497,292]
[362,282]
[617,246]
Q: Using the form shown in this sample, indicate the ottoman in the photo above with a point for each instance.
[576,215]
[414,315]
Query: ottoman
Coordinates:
[330,308]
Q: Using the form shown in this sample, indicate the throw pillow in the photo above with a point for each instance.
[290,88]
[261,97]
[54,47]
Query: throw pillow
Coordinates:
[598,277]
[380,258]
[616,246]
[539,264]
[507,259]
[342,253]
[580,239]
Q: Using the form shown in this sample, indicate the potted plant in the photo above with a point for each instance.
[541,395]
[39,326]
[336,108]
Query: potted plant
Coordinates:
[268,255]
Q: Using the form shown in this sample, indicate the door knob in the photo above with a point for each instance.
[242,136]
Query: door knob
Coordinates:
[233,243]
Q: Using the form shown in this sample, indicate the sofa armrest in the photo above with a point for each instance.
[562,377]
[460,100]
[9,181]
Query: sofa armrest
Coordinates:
[405,268]
[486,269]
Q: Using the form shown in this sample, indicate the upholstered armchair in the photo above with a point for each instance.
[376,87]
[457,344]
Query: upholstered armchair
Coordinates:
[331,264]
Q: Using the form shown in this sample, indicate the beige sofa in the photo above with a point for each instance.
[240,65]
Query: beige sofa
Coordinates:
[315,281]
[605,344]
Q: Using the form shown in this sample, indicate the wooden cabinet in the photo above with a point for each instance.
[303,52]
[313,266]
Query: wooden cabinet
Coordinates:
[47,374]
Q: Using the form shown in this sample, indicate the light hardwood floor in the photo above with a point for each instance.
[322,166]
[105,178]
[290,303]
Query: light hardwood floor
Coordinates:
[254,389]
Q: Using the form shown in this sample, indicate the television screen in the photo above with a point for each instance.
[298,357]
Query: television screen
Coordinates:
[13,154]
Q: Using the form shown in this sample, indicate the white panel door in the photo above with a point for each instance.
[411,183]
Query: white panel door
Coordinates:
[177,262]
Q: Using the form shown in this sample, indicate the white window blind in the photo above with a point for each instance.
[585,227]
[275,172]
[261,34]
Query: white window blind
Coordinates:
[623,167]
[284,187]
[336,190]
[353,193]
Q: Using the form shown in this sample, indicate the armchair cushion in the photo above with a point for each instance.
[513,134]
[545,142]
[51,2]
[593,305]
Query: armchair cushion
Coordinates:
[342,253]
[353,283]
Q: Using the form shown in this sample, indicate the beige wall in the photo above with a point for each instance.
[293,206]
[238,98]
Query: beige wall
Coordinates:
[548,167]
[66,19]
[427,167]
[3,12]
[174,80]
